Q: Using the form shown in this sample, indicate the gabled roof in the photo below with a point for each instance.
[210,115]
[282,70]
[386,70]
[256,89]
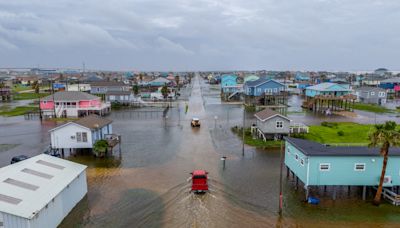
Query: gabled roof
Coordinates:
[260,82]
[70,96]
[268,114]
[328,86]
[311,148]
[28,186]
[90,122]
[369,89]
[107,84]
[93,121]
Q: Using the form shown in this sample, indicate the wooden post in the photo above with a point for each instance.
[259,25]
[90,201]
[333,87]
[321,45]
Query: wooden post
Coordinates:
[287,172]
[297,182]
[334,193]
[307,192]
[364,192]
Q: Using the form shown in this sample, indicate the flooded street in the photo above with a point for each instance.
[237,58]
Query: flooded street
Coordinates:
[146,184]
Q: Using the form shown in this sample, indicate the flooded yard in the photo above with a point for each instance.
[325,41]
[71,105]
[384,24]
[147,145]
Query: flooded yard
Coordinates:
[145,185]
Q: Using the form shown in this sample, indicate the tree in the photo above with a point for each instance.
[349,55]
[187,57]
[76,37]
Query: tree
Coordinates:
[384,136]
[135,89]
[100,147]
[164,91]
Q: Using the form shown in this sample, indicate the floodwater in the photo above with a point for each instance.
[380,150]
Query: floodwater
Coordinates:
[145,184]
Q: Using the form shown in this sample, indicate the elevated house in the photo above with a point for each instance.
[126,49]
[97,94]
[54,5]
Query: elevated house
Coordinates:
[326,97]
[271,124]
[72,104]
[371,95]
[315,164]
[103,87]
[82,133]
[229,86]
[40,191]
[264,91]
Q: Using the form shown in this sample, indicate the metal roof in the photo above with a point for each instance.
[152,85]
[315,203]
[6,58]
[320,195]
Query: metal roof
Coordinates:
[326,86]
[70,96]
[260,81]
[28,186]
[368,89]
[311,148]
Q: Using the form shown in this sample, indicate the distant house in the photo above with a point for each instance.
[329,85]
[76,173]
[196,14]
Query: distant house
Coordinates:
[229,83]
[327,88]
[40,191]
[72,104]
[272,124]
[122,97]
[381,71]
[160,81]
[372,80]
[301,76]
[250,78]
[371,95]
[263,86]
[316,164]
[391,85]
[82,133]
[83,87]
[101,88]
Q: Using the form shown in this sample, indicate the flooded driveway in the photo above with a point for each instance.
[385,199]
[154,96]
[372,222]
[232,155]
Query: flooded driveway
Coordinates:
[145,185]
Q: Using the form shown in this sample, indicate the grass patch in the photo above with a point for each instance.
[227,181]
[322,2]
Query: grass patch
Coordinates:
[258,143]
[17,111]
[29,96]
[338,133]
[372,108]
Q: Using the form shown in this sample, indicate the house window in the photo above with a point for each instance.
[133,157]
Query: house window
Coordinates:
[78,136]
[84,137]
[44,102]
[296,157]
[359,167]
[259,90]
[279,124]
[302,161]
[372,93]
[98,89]
[381,94]
[324,167]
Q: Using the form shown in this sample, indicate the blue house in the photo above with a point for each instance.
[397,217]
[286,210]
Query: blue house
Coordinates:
[262,86]
[328,88]
[229,83]
[316,164]
[301,76]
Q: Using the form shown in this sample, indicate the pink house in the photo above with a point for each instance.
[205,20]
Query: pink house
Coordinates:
[73,104]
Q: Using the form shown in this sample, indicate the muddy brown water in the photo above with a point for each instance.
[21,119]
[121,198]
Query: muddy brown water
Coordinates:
[146,184]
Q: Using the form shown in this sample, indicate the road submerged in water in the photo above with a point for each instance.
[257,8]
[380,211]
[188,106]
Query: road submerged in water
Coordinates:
[146,184]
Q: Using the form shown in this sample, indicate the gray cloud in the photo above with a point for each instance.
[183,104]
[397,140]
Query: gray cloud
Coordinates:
[201,34]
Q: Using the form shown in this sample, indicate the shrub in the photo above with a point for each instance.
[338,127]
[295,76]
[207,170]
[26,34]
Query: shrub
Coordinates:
[340,133]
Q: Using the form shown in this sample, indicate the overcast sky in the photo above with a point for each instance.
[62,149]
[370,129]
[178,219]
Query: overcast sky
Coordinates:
[201,34]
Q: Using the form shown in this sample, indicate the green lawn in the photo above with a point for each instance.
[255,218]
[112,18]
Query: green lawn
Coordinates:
[19,87]
[17,111]
[372,108]
[353,133]
[258,143]
[29,96]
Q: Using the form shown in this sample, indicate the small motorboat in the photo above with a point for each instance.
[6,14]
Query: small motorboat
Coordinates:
[199,181]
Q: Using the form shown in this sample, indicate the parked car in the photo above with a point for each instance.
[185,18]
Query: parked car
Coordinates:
[18,158]
[52,153]
[195,122]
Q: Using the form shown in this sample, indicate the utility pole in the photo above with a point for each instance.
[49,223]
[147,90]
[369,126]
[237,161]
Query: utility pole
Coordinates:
[281,181]
[243,128]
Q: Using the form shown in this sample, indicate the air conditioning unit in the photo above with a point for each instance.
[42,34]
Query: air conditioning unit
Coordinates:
[72,136]
[387,180]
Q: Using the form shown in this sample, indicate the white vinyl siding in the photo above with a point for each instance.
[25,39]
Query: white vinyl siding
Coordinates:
[279,124]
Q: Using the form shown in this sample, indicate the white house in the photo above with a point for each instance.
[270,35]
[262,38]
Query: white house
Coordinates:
[40,191]
[272,124]
[82,133]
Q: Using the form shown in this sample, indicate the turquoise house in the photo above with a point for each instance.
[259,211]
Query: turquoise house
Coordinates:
[316,164]
[229,83]
[328,88]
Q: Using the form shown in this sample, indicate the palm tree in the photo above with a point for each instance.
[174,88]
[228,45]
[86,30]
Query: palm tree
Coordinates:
[164,91]
[384,136]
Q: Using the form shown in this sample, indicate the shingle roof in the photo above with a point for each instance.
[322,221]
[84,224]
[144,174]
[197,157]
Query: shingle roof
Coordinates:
[260,81]
[107,84]
[325,86]
[311,148]
[70,96]
[268,113]
[118,93]
[93,121]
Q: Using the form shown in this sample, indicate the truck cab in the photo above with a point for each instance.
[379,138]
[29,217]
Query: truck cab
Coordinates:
[199,181]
